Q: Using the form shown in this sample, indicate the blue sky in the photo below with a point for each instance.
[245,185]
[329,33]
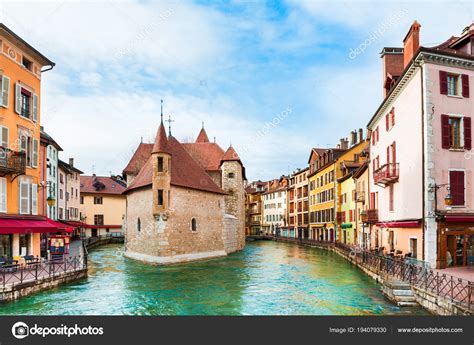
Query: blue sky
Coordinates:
[236,65]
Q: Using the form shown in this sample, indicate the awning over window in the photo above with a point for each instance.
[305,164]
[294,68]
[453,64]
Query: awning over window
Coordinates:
[89,226]
[346,225]
[401,224]
[31,225]
[463,218]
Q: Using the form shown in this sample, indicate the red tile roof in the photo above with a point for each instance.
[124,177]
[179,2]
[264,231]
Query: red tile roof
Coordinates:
[161,142]
[230,155]
[202,137]
[207,155]
[185,171]
[100,185]
[139,158]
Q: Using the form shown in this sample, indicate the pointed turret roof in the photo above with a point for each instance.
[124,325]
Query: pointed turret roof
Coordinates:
[161,141]
[202,137]
[230,155]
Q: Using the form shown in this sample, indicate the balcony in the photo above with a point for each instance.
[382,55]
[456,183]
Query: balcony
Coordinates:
[371,216]
[387,174]
[360,196]
[253,209]
[12,162]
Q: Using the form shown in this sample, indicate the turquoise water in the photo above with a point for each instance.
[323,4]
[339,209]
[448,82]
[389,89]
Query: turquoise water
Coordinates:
[267,278]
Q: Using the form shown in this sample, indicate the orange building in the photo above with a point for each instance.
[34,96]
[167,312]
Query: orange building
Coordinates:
[21,223]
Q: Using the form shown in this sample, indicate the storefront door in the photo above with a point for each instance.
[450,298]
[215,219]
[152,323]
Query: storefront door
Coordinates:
[460,250]
[6,246]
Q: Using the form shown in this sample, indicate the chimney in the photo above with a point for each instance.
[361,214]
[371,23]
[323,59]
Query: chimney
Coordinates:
[353,138]
[411,43]
[344,143]
[361,135]
[71,162]
[392,67]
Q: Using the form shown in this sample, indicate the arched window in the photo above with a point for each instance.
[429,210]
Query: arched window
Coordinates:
[139,225]
[194,224]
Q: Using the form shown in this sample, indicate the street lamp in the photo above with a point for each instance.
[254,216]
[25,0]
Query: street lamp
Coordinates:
[448,199]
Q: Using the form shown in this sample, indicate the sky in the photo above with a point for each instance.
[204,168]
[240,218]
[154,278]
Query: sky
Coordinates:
[273,78]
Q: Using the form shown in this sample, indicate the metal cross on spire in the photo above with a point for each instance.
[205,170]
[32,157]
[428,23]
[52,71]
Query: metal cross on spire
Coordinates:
[169,125]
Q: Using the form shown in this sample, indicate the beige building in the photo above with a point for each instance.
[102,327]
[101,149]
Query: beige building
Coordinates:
[184,201]
[102,205]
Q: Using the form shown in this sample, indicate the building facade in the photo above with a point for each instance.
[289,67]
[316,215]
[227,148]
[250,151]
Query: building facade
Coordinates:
[102,205]
[49,152]
[186,203]
[21,68]
[275,206]
[421,167]
[298,206]
[69,189]
[254,208]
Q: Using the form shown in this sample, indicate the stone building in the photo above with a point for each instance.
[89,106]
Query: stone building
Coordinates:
[185,201]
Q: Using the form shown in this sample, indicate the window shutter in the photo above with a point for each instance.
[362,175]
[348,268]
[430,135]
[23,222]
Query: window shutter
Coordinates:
[5,92]
[377,130]
[388,154]
[393,116]
[373,137]
[24,198]
[3,194]
[34,111]
[467,133]
[4,134]
[465,85]
[34,159]
[456,187]
[34,199]
[443,82]
[386,122]
[17,98]
[445,131]
[394,152]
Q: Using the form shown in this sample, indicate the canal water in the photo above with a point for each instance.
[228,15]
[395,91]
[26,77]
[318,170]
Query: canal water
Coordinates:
[267,278]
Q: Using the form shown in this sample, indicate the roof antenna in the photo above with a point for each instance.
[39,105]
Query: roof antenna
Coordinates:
[169,125]
[161,111]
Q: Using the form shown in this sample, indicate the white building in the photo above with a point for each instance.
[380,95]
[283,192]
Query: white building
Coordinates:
[274,206]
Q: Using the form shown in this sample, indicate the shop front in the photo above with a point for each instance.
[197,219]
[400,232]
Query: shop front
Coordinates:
[456,241]
[21,237]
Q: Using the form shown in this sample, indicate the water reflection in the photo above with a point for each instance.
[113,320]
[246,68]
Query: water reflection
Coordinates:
[267,278]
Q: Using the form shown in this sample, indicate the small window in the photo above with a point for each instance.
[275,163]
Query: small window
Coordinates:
[453,84]
[27,63]
[98,219]
[160,197]
[194,224]
[231,175]
[82,200]
[98,200]
[160,164]
[139,225]
[455,132]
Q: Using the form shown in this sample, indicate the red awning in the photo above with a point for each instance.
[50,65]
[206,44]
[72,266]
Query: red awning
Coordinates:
[28,226]
[402,224]
[464,218]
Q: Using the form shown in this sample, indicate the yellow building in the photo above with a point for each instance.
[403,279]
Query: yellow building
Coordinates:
[346,165]
[21,223]
[102,205]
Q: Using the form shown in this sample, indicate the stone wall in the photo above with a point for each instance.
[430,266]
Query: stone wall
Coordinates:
[235,201]
[170,239]
[231,234]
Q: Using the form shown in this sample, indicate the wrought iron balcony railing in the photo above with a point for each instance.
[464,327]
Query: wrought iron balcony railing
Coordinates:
[387,174]
[12,162]
[370,216]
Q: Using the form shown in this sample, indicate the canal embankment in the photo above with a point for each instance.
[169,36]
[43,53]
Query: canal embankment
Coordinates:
[405,284]
[21,280]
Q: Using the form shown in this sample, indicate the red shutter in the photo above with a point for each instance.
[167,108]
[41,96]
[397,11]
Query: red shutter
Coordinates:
[394,158]
[386,123]
[467,133]
[393,117]
[372,134]
[456,187]
[388,154]
[445,132]
[443,82]
[465,85]
[378,134]
[372,201]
